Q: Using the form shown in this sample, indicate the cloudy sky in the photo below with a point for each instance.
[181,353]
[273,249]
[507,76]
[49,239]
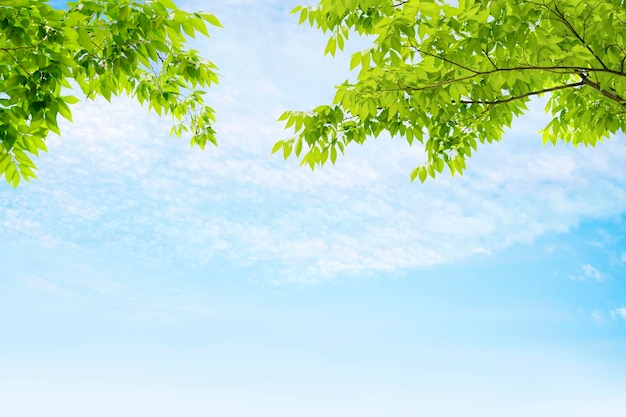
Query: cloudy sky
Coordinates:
[139,276]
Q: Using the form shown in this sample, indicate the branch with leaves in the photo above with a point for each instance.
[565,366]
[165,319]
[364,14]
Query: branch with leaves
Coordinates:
[453,76]
[105,48]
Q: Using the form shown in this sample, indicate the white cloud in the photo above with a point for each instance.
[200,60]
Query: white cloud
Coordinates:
[619,313]
[598,317]
[40,284]
[591,273]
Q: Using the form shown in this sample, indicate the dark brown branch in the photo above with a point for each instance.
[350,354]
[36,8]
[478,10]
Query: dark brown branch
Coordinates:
[532,93]
[490,60]
[562,19]
[605,93]
[574,69]
[18,63]
[456,64]
[440,84]
[17,48]
[571,28]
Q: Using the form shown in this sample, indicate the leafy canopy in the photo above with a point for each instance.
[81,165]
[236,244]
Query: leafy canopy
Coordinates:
[453,74]
[105,48]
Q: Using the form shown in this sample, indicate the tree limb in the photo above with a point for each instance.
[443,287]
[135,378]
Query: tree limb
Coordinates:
[532,93]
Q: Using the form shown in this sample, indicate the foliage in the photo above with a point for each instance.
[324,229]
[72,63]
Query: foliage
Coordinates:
[452,76]
[105,48]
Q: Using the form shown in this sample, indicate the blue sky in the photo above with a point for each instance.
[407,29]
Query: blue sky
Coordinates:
[143,277]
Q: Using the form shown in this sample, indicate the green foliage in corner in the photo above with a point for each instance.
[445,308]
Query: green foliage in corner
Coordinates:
[453,76]
[105,48]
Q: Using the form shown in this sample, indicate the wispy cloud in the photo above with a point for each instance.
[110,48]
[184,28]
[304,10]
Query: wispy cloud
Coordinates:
[619,313]
[80,289]
[598,317]
[589,272]
[39,284]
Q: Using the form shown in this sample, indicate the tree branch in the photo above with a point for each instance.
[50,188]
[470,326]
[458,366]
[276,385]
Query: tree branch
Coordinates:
[18,63]
[532,93]
[574,69]
[605,93]
[571,28]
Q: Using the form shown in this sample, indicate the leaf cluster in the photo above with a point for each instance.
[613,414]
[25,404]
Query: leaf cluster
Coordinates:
[452,75]
[105,48]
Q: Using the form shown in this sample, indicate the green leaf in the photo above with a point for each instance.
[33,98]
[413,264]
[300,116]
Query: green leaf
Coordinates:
[84,39]
[211,19]
[303,15]
[5,160]
[64,110]
[355,60]
[70,99]
[331,47]
[168,4]
[287,146]
[200,26]
[277,146]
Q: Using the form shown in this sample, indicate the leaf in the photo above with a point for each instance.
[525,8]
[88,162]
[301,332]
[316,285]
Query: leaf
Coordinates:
[287,146]
[355,60]
[64,110]
[70,99]
[211,19]
[168,4]
[5,160]
[298,148]
[303,15]
[277,146]
[422,173]
[331,47]
[84,39]
[200,26]
[15,178]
